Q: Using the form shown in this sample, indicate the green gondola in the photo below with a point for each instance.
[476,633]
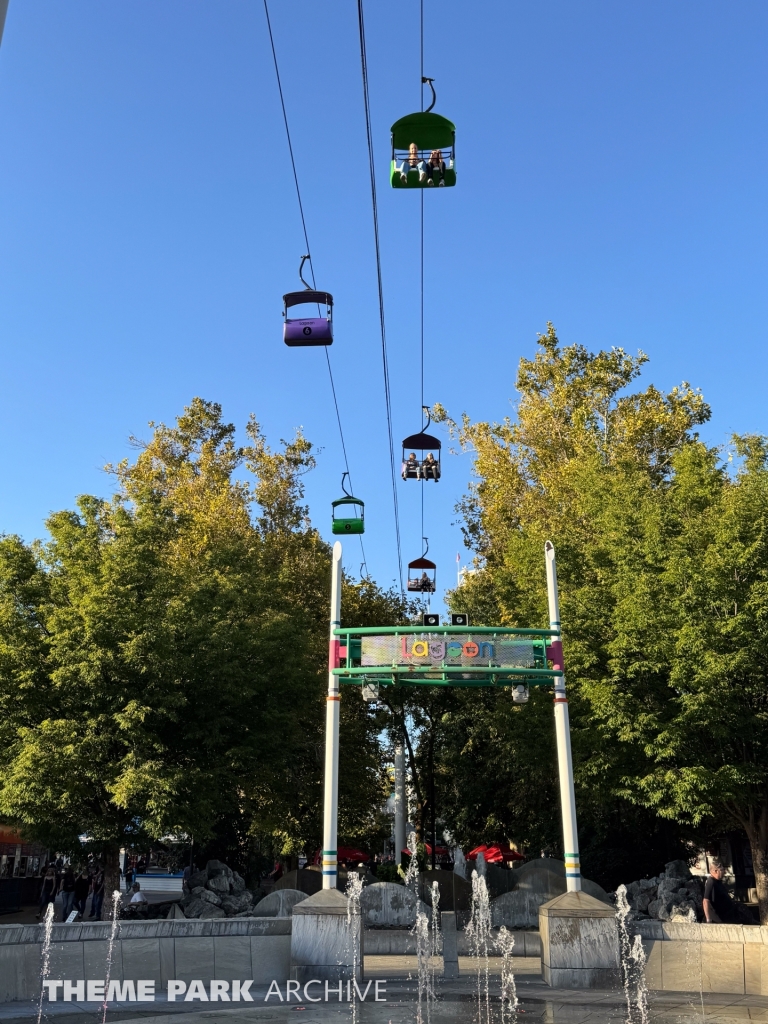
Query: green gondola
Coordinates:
[351,518]
[429,133]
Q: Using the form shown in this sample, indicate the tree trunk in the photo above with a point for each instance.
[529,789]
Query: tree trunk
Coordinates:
[111,881]
[757,833]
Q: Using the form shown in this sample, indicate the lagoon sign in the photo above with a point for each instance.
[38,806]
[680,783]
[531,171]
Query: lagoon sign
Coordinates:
[457,649]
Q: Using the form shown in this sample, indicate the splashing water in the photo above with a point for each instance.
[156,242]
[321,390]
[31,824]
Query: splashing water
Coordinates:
[428,949]
[641,993]
[111,950]
[412,874]
[437,938]
[632,963]
[45,955]
[509,1003]
[420,931]
[693,964]
[352,892]
[478,932]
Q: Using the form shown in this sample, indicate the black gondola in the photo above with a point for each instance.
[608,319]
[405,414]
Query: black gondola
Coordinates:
[422,574]
[424,468]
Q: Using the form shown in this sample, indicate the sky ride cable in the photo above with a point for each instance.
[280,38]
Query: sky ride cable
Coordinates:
[385,361]
[309,253]
[421,198]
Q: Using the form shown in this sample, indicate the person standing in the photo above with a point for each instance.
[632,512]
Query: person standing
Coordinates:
[67,889]
[185,877]
[719,908]
[97,888]
[82,888]
[48,890]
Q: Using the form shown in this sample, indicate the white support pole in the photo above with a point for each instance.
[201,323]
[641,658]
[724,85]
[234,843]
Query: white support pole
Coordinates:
[331,800]
[563,732]
[400,807]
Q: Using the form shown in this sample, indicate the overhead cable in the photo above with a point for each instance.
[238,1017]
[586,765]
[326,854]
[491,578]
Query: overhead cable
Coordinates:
[306,243]
[382,326]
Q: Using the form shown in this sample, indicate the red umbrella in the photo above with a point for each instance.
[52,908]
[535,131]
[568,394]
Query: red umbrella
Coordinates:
[495,854]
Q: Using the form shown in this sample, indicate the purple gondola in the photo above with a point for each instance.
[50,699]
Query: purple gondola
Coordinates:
[316,330]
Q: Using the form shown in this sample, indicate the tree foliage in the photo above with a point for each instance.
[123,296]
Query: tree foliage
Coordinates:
[163,655]
[663,589]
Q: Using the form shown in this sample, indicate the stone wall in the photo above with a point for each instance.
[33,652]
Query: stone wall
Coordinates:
[401,942]
[728,958]
[234,949]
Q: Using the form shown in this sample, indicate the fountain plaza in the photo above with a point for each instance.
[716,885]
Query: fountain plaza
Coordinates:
[389,953]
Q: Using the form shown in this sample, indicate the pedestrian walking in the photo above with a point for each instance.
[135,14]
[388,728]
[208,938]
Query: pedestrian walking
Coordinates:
[67,889]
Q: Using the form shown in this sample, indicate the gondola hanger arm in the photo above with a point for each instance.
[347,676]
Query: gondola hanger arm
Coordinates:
[343,487]
[429,81]
[301,267]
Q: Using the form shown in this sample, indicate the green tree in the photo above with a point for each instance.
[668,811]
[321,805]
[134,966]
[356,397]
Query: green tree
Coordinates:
[608,474]
[163,655]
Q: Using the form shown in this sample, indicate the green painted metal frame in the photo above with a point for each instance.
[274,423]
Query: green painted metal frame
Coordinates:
[442,675]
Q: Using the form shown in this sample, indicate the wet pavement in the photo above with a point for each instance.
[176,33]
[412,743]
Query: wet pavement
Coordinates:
[456,1004]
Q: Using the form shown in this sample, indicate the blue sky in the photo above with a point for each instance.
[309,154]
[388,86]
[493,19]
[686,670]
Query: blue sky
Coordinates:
[612,161]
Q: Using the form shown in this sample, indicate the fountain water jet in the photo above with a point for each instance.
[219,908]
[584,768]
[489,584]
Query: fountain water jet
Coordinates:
[111,951]
[420,931]
[412,874]
[352,892]
[693,967]
[632,963]
[45,955]
[509,1001]
[479,934]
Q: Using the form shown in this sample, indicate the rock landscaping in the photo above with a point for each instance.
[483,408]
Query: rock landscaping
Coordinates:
[670,896]
[217,891]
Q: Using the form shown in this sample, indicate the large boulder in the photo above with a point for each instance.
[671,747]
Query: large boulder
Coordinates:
[671,896]
[237,903]
[194,907]
[279,903]
[210,897]
[677,869]
[219,884]
[238,883]
[218,867]
[210,911]
[198,878]
[389,905]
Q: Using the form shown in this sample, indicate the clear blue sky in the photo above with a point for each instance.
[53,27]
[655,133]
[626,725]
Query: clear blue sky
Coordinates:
[613,173]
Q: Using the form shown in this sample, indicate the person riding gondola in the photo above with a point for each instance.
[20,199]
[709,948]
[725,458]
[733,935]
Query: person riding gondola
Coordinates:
[430,468]
[411,467]
[435,168]
[413,163]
